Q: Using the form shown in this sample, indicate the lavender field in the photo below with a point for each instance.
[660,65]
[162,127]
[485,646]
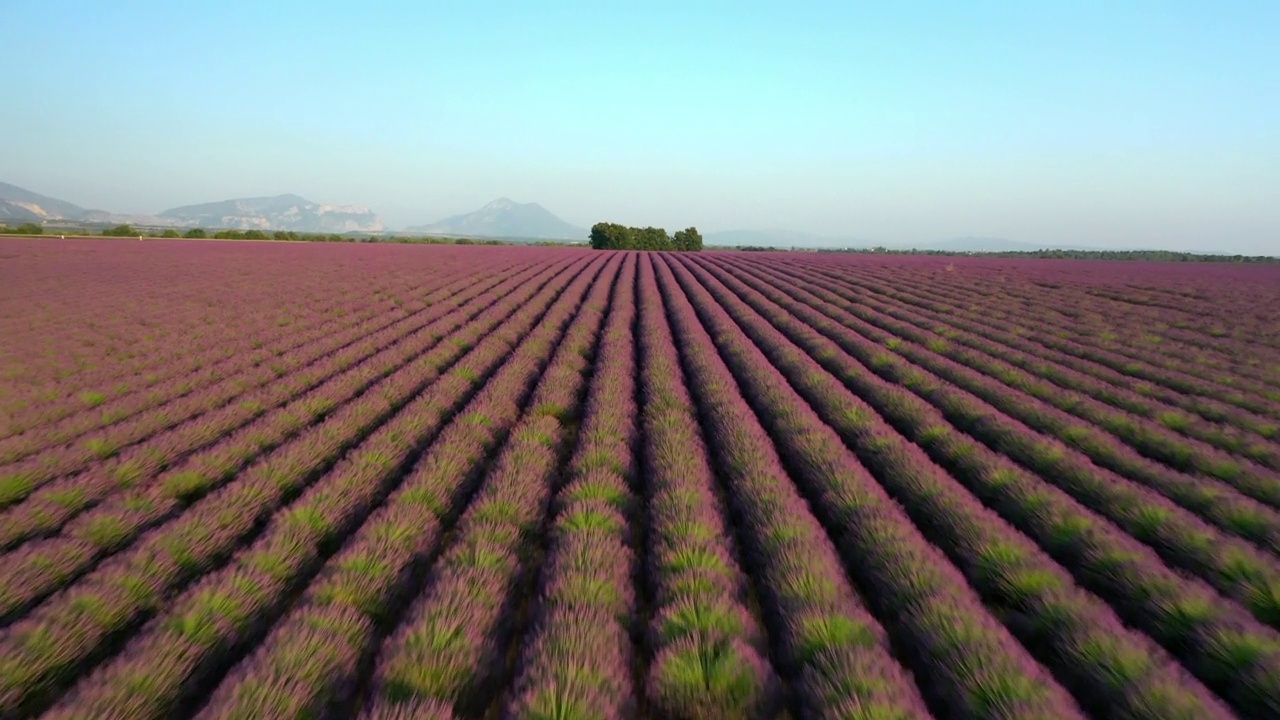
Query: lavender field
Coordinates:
[289,480]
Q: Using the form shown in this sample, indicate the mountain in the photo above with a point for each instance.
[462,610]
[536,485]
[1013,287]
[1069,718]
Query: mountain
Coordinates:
[506,218]
[282,212]
[781,239]
[19,205]
[790,238]
[987,244]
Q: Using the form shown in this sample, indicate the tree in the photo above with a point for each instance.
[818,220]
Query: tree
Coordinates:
[688,240]
[254,235]
[170,233]
[652,238]
[196,233]
[120,231]
[612,236]
[23,229]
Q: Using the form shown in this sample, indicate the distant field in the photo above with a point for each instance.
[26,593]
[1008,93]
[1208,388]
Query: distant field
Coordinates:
[261,480]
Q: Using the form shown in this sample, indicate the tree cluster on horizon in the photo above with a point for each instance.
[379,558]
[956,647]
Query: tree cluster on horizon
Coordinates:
[1050,254]
[612,236]
[23,229]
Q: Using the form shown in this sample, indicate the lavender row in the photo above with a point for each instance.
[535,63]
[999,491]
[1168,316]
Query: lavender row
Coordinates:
[91,438]
[1070,331]
[1082,308]
[1238,509]
[1145,434]
[822,630]
[36,569]
[1196,345]
[46,649]
[54,502]
[63,422]
[163,413]
[578,656]
[300,671]
[191,642]
[1235,567]
[1104,312]
[118,335]
[1233,654]
[1214,343]
[1153,369]
[219,363]
[947,620]
[1108,668]
[159,358]
[165,358]
[1056,346]
[707,654]
[1049,366]
[454,642]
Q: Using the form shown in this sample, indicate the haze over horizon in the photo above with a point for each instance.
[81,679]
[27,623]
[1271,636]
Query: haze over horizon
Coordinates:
[1140,124]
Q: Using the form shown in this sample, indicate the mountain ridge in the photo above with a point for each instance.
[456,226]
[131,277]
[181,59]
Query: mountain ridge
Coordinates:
[505,217]
[501,218]
[24,205]
[276,212]
[791,238]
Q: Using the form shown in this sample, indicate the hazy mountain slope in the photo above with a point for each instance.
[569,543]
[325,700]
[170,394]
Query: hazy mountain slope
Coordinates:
[25,206]
[282,212]
[986,244]
[780,239]
[506,218]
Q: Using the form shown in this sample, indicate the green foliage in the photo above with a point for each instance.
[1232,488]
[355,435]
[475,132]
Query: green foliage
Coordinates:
[688,240]
[23,229]
[15,487]
[241,235]
[612,236]
[92,398]
[294,236]
[705,679]
[1139,255]
[121,231]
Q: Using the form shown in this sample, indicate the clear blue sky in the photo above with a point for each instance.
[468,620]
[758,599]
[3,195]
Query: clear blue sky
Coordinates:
[1096,123]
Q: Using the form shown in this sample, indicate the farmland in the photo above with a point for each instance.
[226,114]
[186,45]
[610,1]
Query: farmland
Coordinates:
[244,480]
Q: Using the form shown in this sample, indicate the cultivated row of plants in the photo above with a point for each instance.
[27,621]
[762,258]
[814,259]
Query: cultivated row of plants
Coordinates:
[1076,635]
[1216,639]
[44,651]
[214,621]
[86,439]
[301,481]
[37,568]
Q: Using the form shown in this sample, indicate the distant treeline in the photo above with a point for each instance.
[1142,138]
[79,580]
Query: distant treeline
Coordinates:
[612,236]
[281,235]
[24,229]
[1143,255]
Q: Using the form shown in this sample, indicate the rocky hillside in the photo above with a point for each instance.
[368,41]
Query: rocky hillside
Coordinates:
[20,205]
[282,212]
[506,218]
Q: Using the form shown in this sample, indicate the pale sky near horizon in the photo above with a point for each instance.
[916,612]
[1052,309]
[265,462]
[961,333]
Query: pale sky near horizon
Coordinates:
[1153,124]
